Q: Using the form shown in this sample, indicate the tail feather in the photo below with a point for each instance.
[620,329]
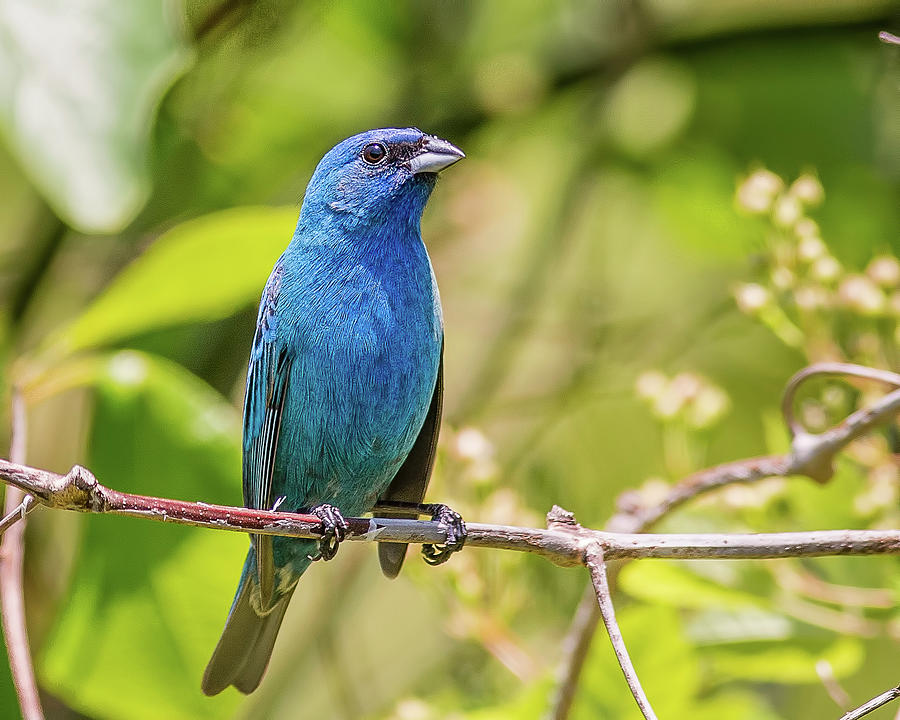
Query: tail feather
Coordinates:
[242,653]
[391,556]
[254,667]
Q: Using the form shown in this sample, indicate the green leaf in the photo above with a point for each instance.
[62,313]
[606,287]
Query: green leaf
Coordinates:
[530,704]
[9,702]
[201,270]
[667,583]
[828,506]
[665,662]
[734,705]
[79,85]
[783,663]
[148,600]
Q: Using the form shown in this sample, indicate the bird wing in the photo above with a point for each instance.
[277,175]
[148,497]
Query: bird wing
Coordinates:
[411,480]
[267,381]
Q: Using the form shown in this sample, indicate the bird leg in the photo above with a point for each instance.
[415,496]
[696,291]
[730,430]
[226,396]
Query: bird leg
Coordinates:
[450,520]
[334,529]
[453,523]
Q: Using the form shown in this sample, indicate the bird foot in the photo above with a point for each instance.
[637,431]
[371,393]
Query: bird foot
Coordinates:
[455,528]
[334,530]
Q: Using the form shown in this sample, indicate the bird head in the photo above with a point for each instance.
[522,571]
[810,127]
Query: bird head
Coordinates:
[378,176]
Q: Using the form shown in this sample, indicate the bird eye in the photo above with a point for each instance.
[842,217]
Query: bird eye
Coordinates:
[374,153]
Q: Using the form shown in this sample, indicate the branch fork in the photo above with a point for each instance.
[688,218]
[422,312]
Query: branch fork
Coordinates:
[564,541]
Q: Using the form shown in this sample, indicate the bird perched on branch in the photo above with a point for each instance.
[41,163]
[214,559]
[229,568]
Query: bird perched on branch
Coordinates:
[343,400]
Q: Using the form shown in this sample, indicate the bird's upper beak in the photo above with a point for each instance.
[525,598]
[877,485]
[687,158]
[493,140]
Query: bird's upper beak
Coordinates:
[435,155]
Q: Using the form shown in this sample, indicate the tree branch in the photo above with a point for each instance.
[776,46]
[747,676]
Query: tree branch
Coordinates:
[828,368]
[17,513]
[873,704]
[811,455]
[563,541]
[597,567]
[12,595]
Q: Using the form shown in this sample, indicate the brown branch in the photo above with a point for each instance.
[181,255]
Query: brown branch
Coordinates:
[12,594]
[562,542]
[597,567]
[828,368]
[873,704]
[17,513]
[811,455]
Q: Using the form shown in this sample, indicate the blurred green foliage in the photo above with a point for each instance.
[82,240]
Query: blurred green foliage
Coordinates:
[665,211]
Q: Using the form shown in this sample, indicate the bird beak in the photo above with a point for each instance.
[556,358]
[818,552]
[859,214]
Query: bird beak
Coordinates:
[435,155]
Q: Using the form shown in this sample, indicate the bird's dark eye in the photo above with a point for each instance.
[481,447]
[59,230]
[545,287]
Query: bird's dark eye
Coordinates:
[374,153]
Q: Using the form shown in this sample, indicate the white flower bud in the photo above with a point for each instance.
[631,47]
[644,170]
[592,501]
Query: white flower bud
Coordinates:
[650,384]
[787,211]
[811,297]
[826,269]
[751,298]
[782,278]
[756,193]
[884,270]
[709,406]
[669,403]
[807,228]
[810,247]
[473,445]
[807,189]
[687,385]
[862,295]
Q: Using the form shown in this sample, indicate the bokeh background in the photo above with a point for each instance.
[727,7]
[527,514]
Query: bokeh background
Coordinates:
[668,207]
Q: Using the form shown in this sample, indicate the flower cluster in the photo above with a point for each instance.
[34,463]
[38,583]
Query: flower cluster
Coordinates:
[804,294]
[687,397]
[812,302]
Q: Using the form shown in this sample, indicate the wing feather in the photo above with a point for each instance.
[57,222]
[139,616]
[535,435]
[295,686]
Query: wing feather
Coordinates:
[267,382]
[411,480]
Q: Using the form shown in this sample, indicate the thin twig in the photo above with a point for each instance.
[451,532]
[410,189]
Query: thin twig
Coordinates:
[873,704]
[597,567]
[796,578]
[811,455]
[12,594]
[834,689]
[576,645]
[562,544]
[828,368]
[839,622]
[888,38]
[17,513]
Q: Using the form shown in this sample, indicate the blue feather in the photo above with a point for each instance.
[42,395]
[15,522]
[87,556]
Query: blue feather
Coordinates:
[342,369]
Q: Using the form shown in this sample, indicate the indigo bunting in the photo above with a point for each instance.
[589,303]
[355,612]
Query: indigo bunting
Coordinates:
[344,386]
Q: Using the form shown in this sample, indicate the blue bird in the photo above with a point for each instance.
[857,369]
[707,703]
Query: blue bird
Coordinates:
[344,386]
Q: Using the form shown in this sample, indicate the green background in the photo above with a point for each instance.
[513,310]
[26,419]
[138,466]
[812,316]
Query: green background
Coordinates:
[152,162]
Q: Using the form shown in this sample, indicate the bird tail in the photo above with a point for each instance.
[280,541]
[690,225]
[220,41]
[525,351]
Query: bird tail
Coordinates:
[243,651]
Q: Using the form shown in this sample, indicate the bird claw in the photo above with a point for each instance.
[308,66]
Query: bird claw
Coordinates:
[334,530]
[455,528]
